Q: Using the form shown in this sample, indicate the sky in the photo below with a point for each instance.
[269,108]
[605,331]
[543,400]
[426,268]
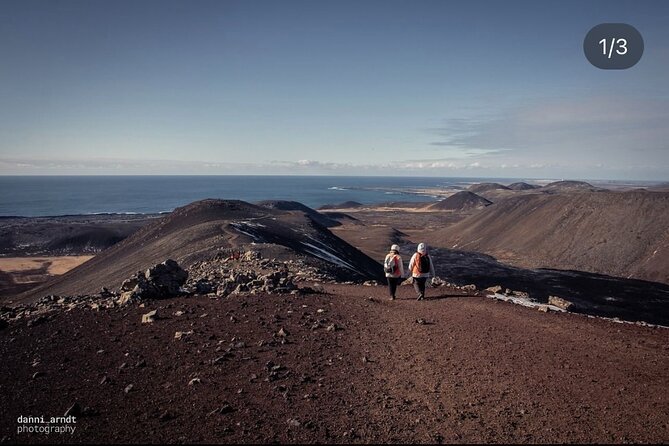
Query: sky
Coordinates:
[436,88]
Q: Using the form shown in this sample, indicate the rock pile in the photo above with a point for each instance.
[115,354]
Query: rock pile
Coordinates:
[221,276]
[250,273]
[158,282]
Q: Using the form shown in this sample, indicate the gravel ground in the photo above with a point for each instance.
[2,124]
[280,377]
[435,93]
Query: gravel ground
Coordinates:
[348,366]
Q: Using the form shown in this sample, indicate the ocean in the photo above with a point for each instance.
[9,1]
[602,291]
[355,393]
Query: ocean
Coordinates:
[32,196]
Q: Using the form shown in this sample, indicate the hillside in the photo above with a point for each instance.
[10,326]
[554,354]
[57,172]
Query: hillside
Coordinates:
[460,201]
[623,234]
[284,205]
[522,186]
[202,229]
[569,186]
[486,187]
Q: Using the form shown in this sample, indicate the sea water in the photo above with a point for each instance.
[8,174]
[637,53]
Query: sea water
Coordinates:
[74,195]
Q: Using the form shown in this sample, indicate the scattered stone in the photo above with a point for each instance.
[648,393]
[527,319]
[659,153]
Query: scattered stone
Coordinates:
[224,409]
[437,282]
[179,313]
[543,308]
[282,333]
[221,359]
[470,287]
[194,381]
[182,334]
[561,303]
[74,410]
[293,422]
[128,388]
[494,289]
[332,327]
[150,317]
[38,374]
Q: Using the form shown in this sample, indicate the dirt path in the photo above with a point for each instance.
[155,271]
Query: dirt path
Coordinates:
[352,367]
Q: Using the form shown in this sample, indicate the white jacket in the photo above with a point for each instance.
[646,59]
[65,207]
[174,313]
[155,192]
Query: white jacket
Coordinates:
[400,270]
[415,274]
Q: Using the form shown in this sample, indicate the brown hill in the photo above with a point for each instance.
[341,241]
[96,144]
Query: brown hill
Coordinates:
[285,205]
[624,234]
[461,201]
[569,186]
[202,229]
[522,186]
[485,187]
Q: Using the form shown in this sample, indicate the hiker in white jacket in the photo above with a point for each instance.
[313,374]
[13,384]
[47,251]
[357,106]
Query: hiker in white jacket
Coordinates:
[394,269]
[421,267]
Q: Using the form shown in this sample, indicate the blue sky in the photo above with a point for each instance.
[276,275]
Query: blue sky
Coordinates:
[453,88]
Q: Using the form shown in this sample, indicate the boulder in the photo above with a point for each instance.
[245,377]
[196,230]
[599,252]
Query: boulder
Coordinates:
[561,303]
[158,282]
[167,277]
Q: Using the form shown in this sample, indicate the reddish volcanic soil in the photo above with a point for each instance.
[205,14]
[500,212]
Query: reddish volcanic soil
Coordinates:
[476,370]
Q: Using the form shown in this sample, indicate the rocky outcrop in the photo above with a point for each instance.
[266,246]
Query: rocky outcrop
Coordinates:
[250,273]
[158,282]
[561,303]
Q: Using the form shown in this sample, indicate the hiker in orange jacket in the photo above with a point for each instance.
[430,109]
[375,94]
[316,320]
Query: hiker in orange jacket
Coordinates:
[421,267]
[394,269]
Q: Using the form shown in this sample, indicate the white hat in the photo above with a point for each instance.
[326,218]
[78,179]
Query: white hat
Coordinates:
[395,248]
[422,248]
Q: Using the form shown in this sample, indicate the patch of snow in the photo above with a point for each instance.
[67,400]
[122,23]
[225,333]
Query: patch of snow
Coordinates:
[241,226]
[525,302]
[327,256]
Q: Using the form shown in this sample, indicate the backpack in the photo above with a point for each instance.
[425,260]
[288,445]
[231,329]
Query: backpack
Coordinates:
[390,265]
[423,262]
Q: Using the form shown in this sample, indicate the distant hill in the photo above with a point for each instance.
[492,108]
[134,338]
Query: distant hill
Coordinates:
[284,205]
[623,234]
[461,201]
[485,187]
[569,186]
[199,231]
[522,186]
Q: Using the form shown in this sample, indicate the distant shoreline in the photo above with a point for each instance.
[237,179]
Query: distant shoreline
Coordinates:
[128,196]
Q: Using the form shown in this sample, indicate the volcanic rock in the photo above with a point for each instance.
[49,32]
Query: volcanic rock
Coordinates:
[561,303]
[150,317]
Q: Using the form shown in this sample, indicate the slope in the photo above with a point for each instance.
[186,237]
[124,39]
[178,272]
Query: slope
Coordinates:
[623,234]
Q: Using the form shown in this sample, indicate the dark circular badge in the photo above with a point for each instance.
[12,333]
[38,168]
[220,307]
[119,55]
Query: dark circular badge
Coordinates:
[613,46]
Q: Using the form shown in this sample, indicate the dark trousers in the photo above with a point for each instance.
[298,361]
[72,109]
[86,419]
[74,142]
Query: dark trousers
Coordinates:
[392,285]
[419,285]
